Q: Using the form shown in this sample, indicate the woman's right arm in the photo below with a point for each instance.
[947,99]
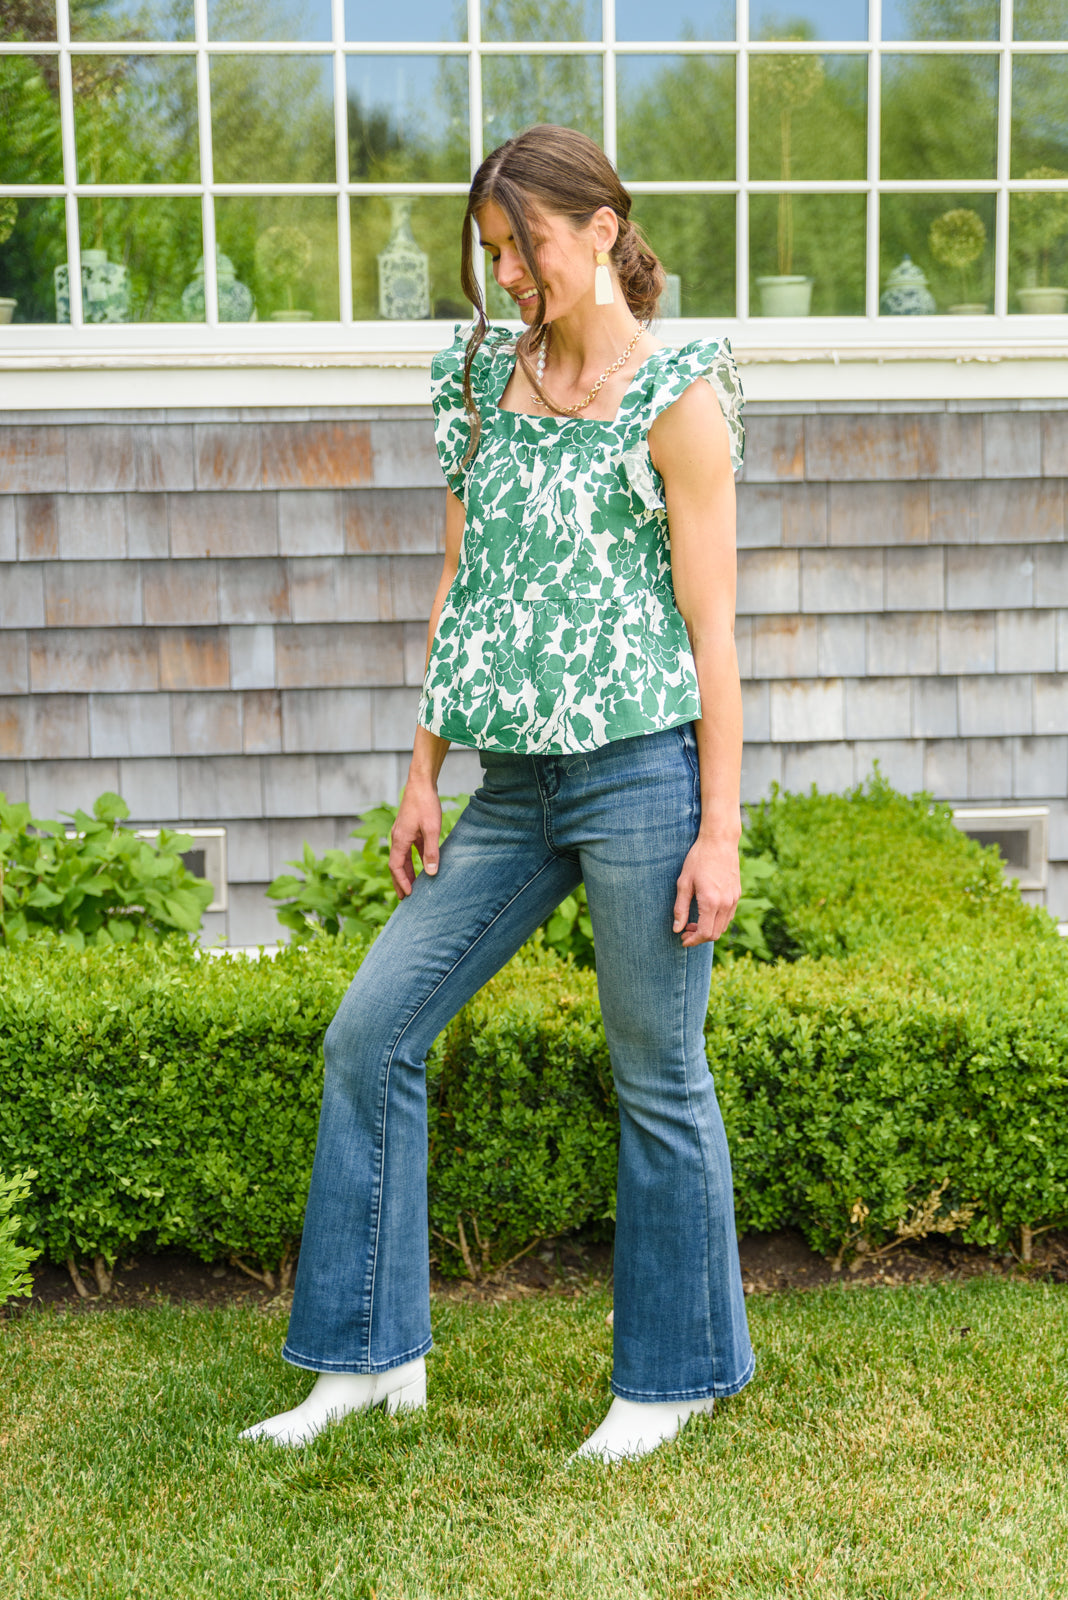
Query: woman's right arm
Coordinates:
[418,821]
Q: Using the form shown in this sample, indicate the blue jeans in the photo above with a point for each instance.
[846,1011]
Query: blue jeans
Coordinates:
[621,819]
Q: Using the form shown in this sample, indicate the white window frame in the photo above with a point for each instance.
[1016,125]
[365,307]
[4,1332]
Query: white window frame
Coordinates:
[1000,334]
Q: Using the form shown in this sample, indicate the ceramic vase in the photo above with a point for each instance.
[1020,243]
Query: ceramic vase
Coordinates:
[105,289]
[671,298]
[1038,301]
[906,293]
[235,298]
[403,270]
[7,310]
[968,308]
[785,296]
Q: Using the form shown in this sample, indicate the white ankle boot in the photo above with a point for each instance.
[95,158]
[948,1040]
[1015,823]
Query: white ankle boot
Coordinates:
[633,1428]
[335,1394]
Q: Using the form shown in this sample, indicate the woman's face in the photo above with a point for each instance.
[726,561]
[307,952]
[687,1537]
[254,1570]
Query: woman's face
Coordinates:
[566,258]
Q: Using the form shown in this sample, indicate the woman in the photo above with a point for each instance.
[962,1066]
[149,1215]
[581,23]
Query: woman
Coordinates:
[584,617]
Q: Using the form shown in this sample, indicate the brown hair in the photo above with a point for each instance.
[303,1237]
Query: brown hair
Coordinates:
[563,173]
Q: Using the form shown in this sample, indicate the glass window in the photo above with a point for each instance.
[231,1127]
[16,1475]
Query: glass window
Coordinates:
[161,20]
[520,90]
[406,258]
[939,116]
[535,20]
[808,19]
[694,236]
[284,249]
[1039,113]
[304,21]
[408,119]
[675,117]
[138,255]
[135,119]
[31,144]
[675,19]
[29,22]
[817,237]
[950,237]
[808,117]
[417,21]
[33,243]
[941,19]
[1040,19]
[1038,248]
[272,119]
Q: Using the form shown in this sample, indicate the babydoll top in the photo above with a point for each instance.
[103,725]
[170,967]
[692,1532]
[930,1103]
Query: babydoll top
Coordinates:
[560,631]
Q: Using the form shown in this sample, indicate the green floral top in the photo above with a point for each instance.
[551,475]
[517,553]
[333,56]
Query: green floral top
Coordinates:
[560,632]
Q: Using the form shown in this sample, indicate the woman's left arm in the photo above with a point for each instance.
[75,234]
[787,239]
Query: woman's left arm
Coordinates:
[690,449]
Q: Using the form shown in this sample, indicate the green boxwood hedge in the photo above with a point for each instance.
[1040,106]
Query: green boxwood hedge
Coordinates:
[908,1053]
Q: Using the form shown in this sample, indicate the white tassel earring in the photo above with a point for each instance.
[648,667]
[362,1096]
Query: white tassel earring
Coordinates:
[603,294]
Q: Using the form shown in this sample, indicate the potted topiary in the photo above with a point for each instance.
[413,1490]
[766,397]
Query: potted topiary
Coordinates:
[9,210]
[784,84]
[1039,220]
[283,254]
[956,239]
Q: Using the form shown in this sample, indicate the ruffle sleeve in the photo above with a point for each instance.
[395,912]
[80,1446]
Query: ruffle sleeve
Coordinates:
[711,359]
[452,424]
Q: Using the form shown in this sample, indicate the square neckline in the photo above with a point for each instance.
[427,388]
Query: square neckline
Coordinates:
[602,422]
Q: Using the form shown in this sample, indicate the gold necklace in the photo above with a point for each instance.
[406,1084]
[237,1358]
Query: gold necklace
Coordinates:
[607,373]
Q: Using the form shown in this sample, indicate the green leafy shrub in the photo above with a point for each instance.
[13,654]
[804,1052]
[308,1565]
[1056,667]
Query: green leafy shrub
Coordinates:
[14,1258]
[351,892]
[905,1072]
[100,884]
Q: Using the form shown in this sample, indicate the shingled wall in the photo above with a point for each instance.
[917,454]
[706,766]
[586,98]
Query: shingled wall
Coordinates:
[222,614]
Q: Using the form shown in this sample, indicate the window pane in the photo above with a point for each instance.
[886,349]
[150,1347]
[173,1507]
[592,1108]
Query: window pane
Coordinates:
[818,236]
[272,119]
[137,257]
[693,235]
[301,20]
[809,19]
[808,117]
[675,19]
[33,242]
[1040,19]
[29,22]
[957,257]
[135,119]
[416,21]
[408,118]
[31,150]
[939,116]
[941,19]
[131,19]
[1038,250]
[406,258]
[1039,114]
[520,90]
[535,20]
[284,248]
[675,117]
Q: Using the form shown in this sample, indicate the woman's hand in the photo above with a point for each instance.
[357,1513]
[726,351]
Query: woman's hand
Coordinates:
[711,876]
[418,823]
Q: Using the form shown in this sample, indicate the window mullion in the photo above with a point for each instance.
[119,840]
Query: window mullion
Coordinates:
[1001,213]
[474,114]
[70,165]
[741,154]
[207,164]
[875,82]
[341,167]
[608,70]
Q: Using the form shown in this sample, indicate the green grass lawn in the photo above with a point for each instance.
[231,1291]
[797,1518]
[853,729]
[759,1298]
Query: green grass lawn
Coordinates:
[903,1442]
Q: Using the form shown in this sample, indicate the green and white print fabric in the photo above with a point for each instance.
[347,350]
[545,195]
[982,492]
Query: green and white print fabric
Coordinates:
[560,632]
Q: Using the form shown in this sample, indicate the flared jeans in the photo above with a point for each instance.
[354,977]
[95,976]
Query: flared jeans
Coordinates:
[621,819]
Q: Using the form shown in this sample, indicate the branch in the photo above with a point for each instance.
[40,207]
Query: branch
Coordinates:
[266,1276]
[77,1279]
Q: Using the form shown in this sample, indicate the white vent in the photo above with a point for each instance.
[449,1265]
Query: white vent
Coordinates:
[205,858]
[1020,833]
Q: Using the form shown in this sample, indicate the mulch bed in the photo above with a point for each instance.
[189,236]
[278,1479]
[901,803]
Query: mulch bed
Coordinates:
[770,1262]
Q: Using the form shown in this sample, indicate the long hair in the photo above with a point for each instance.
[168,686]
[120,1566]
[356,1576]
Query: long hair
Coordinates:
[561,172]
